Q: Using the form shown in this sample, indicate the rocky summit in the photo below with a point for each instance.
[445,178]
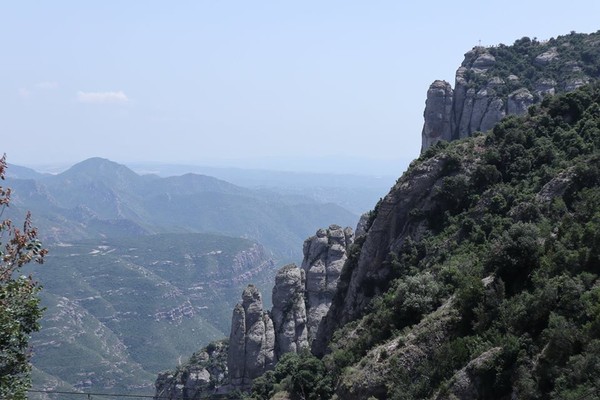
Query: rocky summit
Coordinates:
[496,81]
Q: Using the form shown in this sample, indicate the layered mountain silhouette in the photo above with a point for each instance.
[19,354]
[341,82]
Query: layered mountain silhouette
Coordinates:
[100,198]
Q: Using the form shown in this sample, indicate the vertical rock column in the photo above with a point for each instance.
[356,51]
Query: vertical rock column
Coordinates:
[324,256]
[437,115]
[289,311]
[251,342]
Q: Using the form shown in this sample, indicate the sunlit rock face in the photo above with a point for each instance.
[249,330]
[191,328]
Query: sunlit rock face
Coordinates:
[251,342]
[289,310]
[492,83]
[324,256]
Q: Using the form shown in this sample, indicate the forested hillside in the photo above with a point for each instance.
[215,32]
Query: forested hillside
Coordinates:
[478,276]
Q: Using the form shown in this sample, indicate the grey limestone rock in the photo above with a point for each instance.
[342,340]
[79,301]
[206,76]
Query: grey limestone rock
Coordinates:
[466,383]
[459,101]
[545,87]
[464,127]
[258,338]
[546,57]
[556,187]
[574,83]
[251,342]
[494,113]
[519,101]
[480,99]
[389,230]
[203,375]
[289,310]
[438,108]
[375,372]
[324,256]
[361,226]
[480,106]
[483,62]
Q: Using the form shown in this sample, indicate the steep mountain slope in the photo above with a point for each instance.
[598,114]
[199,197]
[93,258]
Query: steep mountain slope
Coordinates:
[259,338]
[120,310]
[479,274]
[496,81]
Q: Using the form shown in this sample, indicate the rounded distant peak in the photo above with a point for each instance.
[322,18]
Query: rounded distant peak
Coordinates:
[97,162]
[97,166]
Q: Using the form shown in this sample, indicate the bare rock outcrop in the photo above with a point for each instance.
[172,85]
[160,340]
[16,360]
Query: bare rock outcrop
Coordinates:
[546,57]
[373,375]
[455,114]
[289,310]
[324,256]
[204,374]
[466,383]
[493,82]
[363,224]
[519,101]
[251,342]
[438,108]
[367,276]
[301,297]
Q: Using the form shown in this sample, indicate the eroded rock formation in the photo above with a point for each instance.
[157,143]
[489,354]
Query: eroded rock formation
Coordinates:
[392,226]
[324,256]
[289,310]
[488,87]
[204,374]
[301,297]
[251,342]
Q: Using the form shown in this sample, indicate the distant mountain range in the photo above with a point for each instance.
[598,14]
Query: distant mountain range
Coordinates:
[356,193]
[99,198]
[143,269]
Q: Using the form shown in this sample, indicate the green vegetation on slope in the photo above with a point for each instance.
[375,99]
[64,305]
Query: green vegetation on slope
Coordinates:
[500,297]
[20,309]
[120,310]
[576,57]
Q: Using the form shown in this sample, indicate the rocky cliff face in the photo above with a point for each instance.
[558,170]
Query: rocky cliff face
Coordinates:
[301,297]
[409,349]
[324,256]
[289,310]
[368,274]
[251,342]
[493,82]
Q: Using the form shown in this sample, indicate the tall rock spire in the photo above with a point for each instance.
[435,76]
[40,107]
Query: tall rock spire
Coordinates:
[251,342]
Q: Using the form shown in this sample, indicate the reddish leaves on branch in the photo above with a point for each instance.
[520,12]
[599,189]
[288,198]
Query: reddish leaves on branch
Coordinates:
[22,246]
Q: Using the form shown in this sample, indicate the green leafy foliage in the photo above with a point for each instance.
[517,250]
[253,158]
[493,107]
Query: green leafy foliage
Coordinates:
[577,57]
[513,245]
[20,310]
[302,375]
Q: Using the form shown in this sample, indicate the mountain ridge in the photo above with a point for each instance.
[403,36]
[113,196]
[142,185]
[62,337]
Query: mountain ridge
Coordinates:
[495,81]
[98,197]
[476,277]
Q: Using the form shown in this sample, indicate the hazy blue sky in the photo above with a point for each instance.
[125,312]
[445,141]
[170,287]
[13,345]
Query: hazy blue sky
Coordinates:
[247,83]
